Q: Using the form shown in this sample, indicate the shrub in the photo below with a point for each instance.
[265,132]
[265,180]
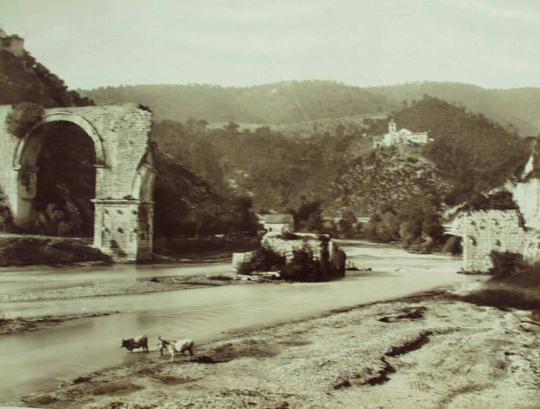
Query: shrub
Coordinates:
[505,297]
[506,264]
[263,259]
[23,117]
[520,290]
[497,201]
[305,267]
[453,246]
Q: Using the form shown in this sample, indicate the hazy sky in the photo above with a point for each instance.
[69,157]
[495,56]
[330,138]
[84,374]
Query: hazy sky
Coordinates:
[91,43]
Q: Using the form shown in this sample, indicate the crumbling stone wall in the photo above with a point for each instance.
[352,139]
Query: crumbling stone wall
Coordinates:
[485,231]
[125,174]
[527,197]
[286,247]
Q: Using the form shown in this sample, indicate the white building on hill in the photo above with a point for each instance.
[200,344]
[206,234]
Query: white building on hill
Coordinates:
[401,137]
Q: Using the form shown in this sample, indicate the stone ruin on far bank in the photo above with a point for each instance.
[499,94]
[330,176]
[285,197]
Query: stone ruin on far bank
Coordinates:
[514,230]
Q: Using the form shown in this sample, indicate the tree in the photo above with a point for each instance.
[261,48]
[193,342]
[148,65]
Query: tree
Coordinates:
[308,217]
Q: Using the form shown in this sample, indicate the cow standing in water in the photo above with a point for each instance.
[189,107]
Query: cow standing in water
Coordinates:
[176,346]
[133,343]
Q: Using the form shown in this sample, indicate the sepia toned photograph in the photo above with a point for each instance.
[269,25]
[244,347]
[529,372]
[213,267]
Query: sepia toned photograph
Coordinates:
[323,204]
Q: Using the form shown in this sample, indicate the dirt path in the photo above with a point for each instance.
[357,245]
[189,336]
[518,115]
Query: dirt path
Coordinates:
[423,353]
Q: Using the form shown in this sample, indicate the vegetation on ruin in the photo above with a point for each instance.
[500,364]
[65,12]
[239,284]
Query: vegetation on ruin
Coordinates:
[263,259]
[6,219]
[502,200]
[302,267]
[23,117]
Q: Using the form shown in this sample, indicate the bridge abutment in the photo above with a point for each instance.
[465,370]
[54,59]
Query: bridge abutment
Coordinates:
[124,229]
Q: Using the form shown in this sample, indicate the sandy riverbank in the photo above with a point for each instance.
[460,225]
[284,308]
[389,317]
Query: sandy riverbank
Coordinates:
[430,352]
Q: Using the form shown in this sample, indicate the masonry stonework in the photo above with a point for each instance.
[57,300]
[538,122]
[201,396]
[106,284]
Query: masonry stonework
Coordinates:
[491,230]
[125,174]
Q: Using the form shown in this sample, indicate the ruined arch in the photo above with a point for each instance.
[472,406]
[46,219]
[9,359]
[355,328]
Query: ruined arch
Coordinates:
[124,178]
[26,143]
[143,182]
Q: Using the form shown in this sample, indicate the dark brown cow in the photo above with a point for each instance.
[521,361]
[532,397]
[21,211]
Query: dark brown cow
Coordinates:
[133,343]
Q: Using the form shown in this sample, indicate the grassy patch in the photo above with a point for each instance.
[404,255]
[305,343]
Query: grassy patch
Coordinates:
[23,251]
[520,290]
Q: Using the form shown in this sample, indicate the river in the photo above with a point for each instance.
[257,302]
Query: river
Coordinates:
[40,360]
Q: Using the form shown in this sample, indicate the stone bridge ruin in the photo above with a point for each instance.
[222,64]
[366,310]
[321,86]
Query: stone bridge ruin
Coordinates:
[124,173]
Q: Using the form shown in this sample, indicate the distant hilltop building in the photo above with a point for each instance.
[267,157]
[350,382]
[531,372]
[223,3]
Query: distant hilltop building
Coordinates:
[401,137]
[13,43]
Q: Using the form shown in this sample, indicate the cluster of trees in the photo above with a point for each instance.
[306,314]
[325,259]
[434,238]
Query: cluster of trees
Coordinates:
[188,206]
[278,172]
[417,226]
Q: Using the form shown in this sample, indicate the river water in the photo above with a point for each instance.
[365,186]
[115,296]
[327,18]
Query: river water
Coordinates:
[39,361]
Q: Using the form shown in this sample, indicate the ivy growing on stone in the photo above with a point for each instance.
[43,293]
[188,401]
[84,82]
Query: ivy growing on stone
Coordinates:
[23,118]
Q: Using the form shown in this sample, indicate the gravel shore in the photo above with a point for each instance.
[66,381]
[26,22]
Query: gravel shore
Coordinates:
[427,352]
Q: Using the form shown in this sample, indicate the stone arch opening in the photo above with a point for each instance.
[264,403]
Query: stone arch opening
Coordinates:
[56,165]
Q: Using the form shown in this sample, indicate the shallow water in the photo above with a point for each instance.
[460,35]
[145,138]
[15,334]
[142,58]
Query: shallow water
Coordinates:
[38,361]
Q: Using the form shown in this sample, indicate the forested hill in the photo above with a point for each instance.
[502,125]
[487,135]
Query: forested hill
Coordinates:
[291,102]
[516,106]
[23,79]
[279,103]
[469,154]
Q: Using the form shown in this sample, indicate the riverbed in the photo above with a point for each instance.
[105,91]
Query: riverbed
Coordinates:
[41,360]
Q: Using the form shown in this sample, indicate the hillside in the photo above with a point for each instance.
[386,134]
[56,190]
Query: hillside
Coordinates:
[302,104]
[279,103]
[518,106]
[23,79]
[387,177]
[469,154]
